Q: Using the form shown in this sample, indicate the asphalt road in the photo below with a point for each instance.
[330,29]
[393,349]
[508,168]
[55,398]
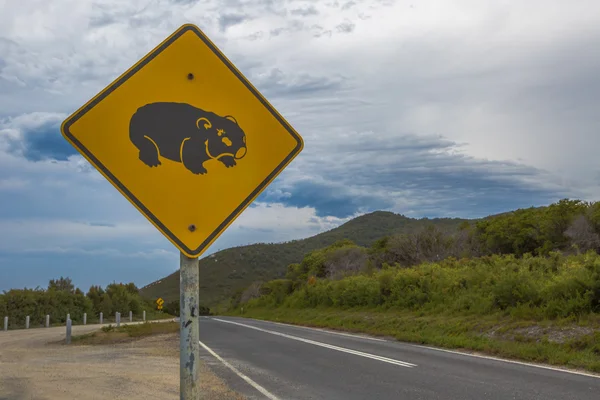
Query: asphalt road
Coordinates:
[265,360]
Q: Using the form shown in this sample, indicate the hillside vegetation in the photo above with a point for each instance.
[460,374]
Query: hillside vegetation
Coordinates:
[524,284]
[227,271]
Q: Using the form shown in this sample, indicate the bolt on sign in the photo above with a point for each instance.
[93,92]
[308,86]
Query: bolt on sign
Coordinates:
[186,138]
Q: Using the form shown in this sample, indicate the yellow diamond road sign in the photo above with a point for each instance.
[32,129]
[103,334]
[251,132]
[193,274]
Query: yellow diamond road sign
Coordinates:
[186,138]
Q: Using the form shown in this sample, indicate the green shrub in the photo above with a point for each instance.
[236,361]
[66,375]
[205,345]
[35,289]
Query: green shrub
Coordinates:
[61,298]
[274,292]
[356,291]
[531,287]
[521,285]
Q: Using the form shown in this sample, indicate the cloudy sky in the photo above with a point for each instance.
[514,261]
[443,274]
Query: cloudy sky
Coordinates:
[426,108]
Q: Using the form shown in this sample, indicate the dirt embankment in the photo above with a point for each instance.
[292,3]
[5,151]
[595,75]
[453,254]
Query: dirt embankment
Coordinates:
[36,364]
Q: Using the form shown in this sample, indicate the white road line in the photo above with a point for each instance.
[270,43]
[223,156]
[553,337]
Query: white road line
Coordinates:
[509,361]
[255,385]
[322,330]
[328,346]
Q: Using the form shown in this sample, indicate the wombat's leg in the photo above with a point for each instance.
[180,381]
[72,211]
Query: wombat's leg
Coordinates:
[149,152]
[228,161]
[193,156]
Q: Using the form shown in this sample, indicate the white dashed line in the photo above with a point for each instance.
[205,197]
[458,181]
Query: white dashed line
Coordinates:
[328,346]
[324,330]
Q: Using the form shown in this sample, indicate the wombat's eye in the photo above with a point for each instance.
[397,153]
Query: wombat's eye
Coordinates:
[220,132]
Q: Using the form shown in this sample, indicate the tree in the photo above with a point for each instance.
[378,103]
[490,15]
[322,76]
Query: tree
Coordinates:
[106,306]
[121,298]
[343,261]
[593,213]
[172,308]
[251,292]
[295,272]
[131,288]
[203,310]
[96,295]
[432,244]
[62,284]
[581,233]
[3,306]
[235,299]
[558,218]
[429,244]
[464,244]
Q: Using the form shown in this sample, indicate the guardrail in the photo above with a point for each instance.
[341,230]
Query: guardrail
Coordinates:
[99,320]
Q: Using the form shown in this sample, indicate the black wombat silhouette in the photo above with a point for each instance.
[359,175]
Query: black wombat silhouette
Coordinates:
[183,133]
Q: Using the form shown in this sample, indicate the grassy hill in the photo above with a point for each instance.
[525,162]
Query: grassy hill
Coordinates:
[226,271]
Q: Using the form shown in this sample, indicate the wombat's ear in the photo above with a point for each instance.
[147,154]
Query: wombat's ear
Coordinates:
[207,123]
[229,117]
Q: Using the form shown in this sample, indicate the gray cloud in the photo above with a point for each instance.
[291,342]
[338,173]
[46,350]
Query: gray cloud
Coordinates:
[305,12]
[409,174]
[322,32]
[44,143]
[276,83]
[35,137]
[256,35]
[227,20]
[278,31]
[348,5]
[291,27]
[104,15]
[185,2]
[256,7]
[346,27]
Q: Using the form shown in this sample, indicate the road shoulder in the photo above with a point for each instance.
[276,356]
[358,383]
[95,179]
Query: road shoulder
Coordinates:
[37,364]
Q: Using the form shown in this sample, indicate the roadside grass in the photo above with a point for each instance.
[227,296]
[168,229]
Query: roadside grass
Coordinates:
[567,343]
[110,334]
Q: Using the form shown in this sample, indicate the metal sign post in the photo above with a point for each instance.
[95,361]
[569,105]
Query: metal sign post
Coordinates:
[189,345]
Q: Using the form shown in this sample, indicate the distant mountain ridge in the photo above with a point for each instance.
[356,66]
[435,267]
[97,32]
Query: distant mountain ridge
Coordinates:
[224,272]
